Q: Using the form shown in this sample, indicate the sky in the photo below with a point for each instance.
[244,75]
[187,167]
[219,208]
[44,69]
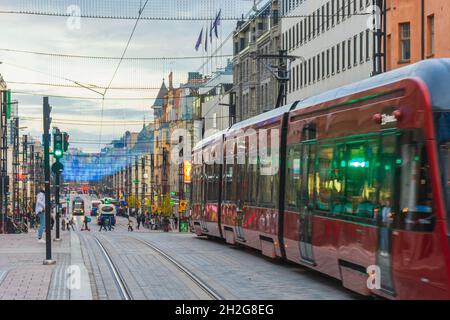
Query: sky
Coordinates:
[124,109]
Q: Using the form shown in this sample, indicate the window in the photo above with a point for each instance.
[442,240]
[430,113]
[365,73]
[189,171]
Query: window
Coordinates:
[442,125]
[297,77]
[309,71]
[305,69]
[355,50]
[314,68]
[338,58]
[323,65]
[323,18]
[301,75]
[266,182]
[333,12]
[328,15]
[349,51]
[338,9]
[314,24]
[430,25]
[297,35]
[309,27]
[332,59]
[416,198]
[318,67]
[405,41]
[325,156]
[367,44]
[361,47]
[328,62]
[343,56]
[301,32]
[293,178]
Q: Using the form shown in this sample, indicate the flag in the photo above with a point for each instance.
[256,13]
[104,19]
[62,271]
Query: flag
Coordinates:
[206,40]
[199,41]
[217,24]
[211,32]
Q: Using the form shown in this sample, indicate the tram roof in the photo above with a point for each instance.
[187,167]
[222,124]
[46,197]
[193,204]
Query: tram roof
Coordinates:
[434,72]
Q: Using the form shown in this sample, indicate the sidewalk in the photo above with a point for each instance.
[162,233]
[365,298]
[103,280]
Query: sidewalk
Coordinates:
[22,274]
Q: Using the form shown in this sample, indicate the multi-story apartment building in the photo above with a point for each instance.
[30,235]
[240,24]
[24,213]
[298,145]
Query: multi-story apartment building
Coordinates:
[333,40]
[417,30]
[218,100]
[255,87]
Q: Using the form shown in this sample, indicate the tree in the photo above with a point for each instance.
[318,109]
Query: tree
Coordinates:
[166,208]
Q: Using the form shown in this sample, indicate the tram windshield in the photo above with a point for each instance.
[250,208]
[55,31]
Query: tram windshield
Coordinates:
[442,120]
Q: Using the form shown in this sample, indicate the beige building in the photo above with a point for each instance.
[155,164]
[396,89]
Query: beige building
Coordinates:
[255,86]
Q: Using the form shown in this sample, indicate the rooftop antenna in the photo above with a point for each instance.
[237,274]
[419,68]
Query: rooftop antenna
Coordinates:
[255,7]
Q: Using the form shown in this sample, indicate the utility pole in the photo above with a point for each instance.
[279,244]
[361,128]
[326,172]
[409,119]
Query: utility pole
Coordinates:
[16,201]
[48,247]
[4,158]
[25,175]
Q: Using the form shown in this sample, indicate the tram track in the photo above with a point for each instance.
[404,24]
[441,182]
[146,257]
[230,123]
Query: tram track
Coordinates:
[196,280]
[118,278]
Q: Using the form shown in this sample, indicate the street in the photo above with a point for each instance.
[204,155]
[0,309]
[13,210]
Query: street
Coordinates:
[215,270]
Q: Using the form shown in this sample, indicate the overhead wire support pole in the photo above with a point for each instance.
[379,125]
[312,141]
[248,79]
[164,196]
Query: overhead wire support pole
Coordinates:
[48,248]
[280,72]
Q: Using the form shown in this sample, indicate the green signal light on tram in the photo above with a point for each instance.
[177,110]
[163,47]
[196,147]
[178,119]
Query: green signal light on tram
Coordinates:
[358,164]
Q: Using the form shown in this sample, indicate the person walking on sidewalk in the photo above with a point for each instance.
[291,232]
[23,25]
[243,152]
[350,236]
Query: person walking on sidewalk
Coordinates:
[130,225]
[40,208]
[138,219]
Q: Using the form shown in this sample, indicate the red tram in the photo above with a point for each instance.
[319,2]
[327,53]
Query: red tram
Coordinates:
[361,180]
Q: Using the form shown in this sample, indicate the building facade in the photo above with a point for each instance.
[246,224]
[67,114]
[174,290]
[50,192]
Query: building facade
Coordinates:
[255,87]
[333,41]
[417,30]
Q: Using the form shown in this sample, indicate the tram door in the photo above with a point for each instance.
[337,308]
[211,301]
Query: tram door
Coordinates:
[388,175]
[307,197]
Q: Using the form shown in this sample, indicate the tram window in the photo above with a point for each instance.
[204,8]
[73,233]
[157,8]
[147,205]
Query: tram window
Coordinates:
[307,166]
[388,163]
[416,200]
[252,179]
[337,180]
[228,181]
[442,124]
[266,180]
[293,177]
[360,181]
[323,175]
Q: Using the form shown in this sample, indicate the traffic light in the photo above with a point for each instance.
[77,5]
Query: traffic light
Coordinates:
[65,141]
[58,150]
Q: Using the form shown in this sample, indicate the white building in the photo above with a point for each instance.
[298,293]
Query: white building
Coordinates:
[334,38]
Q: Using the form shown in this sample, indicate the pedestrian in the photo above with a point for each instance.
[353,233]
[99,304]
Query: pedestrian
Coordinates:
[138,219]
[52,222]
[175,222]
[40,208]
[86,223]
[63,224]
[130,225]
[102,224]
[70,224]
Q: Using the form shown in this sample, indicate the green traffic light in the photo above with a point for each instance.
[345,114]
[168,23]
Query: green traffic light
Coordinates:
[58,153]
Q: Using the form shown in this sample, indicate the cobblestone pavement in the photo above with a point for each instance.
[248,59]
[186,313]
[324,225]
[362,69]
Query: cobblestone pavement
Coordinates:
[22,273]
[233,273]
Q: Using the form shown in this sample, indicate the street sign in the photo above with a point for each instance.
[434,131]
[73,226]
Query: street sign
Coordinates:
[57,167]
[182,206]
